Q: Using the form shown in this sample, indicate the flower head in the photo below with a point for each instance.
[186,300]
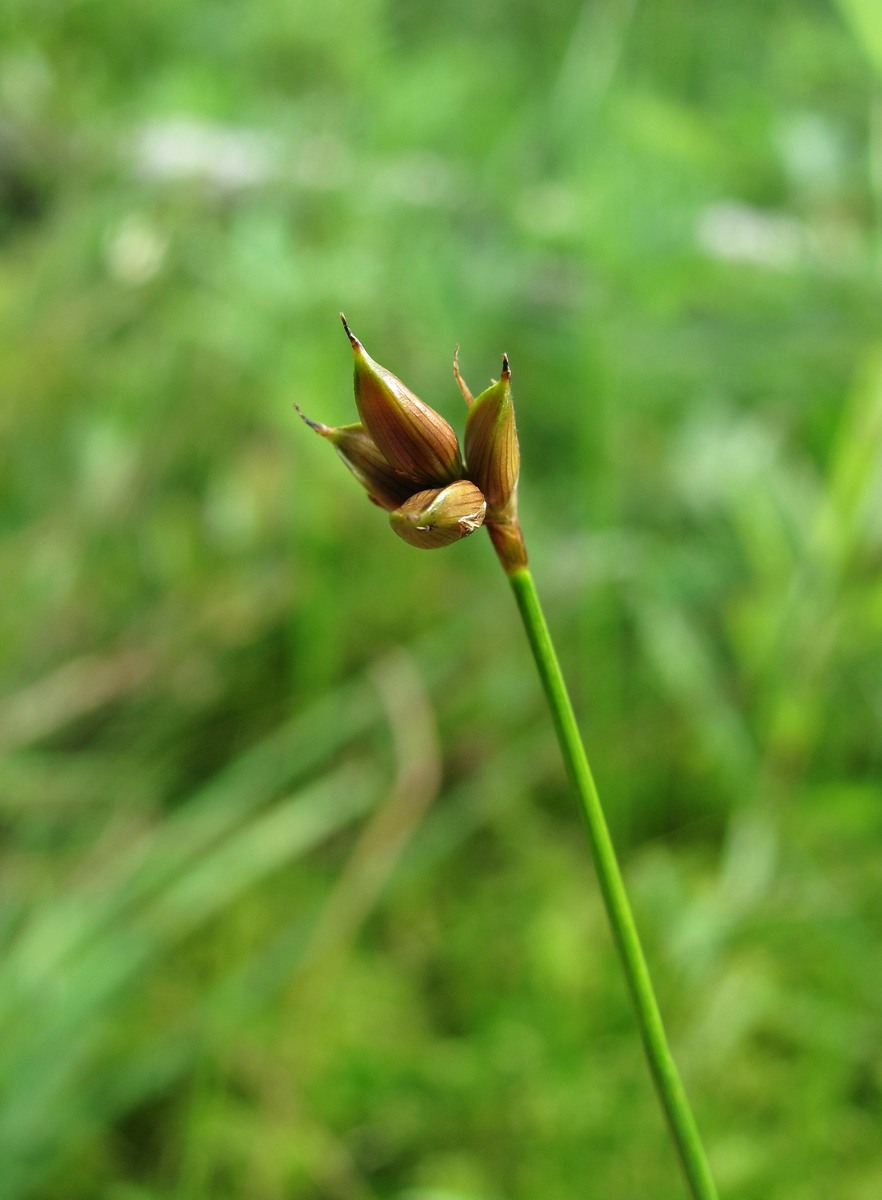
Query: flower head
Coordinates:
[407,458]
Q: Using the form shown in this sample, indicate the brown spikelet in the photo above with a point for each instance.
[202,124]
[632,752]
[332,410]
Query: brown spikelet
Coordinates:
[493,456]
[415,440]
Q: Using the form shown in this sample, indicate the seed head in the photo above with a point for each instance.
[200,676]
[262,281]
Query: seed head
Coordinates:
[407,458]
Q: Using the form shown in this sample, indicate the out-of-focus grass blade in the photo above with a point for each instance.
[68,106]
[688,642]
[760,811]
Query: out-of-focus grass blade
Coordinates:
[135,871]
[57,1023]
[865,19]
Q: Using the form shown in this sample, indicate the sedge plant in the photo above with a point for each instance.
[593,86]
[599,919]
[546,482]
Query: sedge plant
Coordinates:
[408,459]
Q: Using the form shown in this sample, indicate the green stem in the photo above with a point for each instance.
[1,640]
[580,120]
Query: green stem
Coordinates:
[681,1122]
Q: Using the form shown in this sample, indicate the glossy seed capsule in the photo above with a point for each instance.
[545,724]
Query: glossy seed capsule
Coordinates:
[439,516]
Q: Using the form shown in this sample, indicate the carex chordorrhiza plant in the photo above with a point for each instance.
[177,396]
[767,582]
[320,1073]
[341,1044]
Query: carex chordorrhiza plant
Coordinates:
[408,459]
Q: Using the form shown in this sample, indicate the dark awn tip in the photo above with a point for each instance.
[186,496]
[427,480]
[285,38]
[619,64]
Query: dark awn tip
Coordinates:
[506,369]
[349,332]
[316,425]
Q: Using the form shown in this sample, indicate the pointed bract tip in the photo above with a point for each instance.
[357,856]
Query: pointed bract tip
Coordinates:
[506,369]
[460,382]
[316,425]
[349,333]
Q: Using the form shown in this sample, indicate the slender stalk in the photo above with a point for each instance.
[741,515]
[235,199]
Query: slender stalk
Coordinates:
[672,1095]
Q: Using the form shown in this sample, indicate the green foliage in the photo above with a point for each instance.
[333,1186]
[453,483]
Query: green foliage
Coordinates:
[292,898]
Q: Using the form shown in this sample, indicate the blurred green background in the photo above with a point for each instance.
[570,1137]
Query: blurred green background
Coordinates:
[294,901]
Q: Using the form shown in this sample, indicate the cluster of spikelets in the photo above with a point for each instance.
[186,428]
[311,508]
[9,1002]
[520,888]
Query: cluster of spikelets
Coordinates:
[408,459]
